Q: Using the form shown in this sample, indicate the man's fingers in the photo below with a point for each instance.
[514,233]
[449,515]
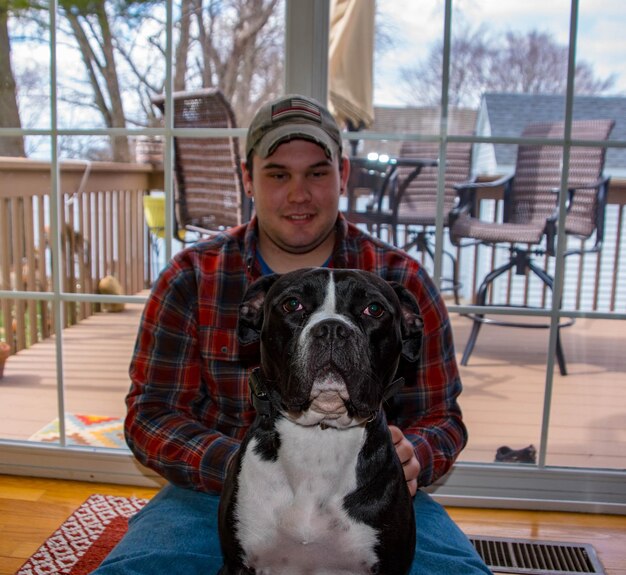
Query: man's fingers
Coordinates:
[406,455]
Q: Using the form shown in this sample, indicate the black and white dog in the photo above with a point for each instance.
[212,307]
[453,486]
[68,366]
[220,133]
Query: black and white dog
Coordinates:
[317,488]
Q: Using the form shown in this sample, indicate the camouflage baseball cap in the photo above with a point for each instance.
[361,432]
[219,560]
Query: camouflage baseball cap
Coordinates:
[293,117]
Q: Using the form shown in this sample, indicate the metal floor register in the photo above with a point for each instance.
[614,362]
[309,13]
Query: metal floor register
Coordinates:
[536,557]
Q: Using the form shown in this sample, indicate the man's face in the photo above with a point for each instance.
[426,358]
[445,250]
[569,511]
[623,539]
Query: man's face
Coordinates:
[296,196]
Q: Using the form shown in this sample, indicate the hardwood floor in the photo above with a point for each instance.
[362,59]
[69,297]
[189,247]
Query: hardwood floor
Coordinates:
[32,508]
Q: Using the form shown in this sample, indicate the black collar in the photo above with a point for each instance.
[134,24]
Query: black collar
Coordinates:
[260,398]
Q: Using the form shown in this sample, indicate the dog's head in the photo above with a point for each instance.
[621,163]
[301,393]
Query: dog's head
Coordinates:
[330,340]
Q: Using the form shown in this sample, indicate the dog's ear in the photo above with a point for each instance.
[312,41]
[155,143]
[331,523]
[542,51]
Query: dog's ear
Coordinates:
[412,324]
[250,318]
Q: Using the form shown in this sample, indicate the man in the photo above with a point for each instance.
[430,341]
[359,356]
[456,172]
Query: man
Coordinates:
[188,406]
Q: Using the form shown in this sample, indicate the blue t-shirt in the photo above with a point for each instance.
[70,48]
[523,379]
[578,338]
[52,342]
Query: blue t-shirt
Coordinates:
[267,270]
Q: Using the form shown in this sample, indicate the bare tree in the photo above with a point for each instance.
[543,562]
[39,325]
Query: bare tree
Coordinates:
[9,112]
[235,45]
[182,48]
[239,47]
[530,62]
[91,27]
[534,63]
[469,66]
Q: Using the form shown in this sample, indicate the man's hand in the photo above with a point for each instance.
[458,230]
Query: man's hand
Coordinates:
[406,454]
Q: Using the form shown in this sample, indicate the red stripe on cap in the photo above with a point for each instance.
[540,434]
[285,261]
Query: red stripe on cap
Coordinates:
[296,107]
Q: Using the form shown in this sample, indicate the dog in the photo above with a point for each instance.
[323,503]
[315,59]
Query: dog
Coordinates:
[316,487]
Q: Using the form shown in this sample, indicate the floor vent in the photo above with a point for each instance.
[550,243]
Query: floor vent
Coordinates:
[528,556]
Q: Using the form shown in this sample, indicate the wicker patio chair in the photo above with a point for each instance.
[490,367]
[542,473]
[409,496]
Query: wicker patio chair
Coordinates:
[529,223]
[416,208]
[411,193]
[208,191]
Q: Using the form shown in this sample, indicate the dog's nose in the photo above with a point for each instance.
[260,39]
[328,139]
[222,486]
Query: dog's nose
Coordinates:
[331,329]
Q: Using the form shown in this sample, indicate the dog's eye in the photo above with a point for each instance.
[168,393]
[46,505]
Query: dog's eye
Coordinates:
[292,304]
[374,310]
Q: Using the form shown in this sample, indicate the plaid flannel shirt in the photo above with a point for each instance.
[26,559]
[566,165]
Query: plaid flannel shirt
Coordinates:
[189,402]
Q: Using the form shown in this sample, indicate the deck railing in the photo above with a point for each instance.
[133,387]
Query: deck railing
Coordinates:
[102,233]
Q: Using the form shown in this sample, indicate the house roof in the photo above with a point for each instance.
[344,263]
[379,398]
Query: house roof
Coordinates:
[504,114]
[422,120]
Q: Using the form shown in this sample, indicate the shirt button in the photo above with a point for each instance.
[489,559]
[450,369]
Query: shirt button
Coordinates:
[224,349]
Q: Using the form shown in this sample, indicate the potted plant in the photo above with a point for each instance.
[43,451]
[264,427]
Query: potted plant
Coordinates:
[5,352]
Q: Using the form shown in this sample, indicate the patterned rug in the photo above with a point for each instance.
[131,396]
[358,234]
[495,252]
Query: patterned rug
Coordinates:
[85,538]
[91,430]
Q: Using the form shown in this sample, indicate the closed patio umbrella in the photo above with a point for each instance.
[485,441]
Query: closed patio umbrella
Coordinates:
[351,62]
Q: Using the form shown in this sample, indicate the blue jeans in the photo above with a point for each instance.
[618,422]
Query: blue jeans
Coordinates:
[176,532]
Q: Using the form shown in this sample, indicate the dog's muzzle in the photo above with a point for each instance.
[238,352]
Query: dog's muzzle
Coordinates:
[327,372]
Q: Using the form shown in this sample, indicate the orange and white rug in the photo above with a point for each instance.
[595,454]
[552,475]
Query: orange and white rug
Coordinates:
[88,430]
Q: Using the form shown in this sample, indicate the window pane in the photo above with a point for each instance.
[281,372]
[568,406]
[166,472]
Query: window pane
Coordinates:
[407,74]
[29,395]
[104,232]
[29,71]
[587,421]
[408,48]
[110,62]
[601,63]
[25,263]
[96,356]
[503,387]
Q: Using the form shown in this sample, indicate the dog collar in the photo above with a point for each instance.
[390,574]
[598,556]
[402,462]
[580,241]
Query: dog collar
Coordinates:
[260,398]
[394,387]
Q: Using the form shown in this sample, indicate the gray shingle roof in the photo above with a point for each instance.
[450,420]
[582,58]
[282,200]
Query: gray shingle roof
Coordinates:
[422,120]
[504,114]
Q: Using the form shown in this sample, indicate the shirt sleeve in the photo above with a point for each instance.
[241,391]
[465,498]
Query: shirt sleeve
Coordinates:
[164,426]
[427,408]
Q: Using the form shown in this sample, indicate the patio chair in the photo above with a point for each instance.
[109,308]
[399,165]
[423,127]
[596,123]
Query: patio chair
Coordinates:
[530,207]
[208,191]
[412,200]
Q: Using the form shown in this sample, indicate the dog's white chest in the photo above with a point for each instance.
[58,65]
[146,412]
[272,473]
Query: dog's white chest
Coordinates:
[290,512]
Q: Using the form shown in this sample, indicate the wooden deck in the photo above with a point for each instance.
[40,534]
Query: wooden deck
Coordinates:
[502,399]
[97,354]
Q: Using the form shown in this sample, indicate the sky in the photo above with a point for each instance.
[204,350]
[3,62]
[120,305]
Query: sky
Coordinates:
[600,28]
